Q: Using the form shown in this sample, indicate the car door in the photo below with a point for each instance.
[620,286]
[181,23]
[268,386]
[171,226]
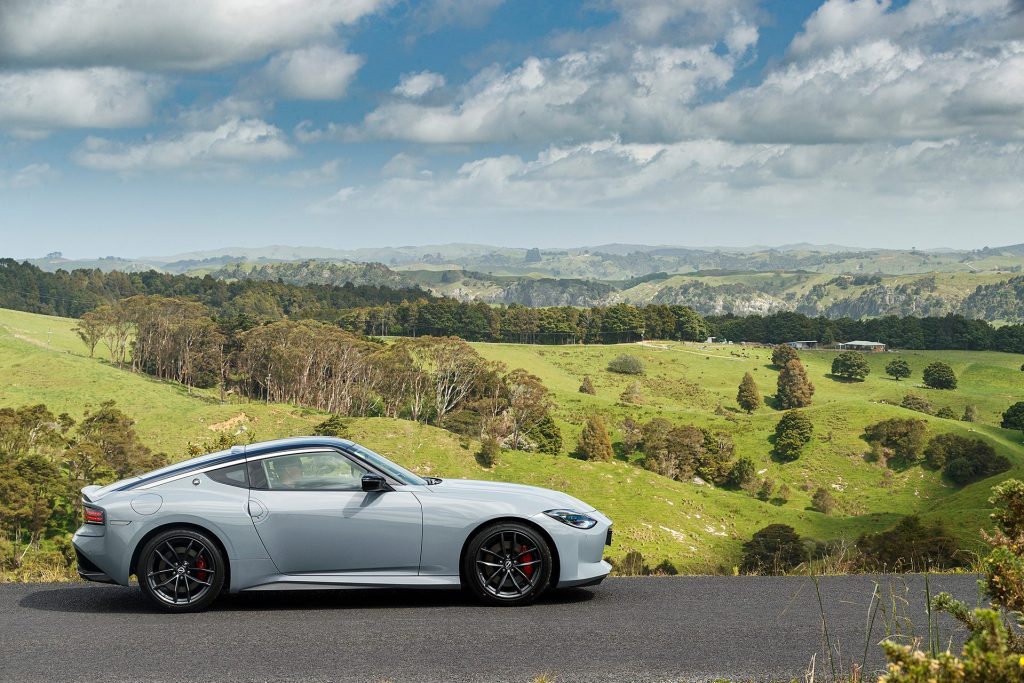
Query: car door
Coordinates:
[313,517]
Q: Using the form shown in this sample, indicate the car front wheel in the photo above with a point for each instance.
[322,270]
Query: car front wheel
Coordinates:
[181,570]
[507,563]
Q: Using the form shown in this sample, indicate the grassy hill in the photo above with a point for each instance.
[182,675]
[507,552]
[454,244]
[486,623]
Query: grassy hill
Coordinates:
[699,528]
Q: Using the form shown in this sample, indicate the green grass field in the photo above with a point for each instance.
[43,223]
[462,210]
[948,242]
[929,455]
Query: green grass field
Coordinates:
[699,528]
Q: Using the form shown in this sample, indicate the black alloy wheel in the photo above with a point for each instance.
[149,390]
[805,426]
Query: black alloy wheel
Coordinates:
[507,564]
[181,570]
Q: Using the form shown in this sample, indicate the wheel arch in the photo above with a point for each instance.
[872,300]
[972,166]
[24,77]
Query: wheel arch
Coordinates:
[191,527]
[556,565]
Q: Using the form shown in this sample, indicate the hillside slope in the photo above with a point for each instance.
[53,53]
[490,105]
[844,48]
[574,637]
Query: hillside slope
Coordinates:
[698,528]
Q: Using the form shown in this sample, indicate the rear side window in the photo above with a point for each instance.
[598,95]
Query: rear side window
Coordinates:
[235,475]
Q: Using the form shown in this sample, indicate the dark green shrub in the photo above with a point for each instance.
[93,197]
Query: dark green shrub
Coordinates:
[464,422]
[631,565]
[489,452]
[917,403]
[626,365]
[792,433]
[898,369]
[962,459]
[823,501]
[851,365]
[332,426]
[742,473]
[1013,418]
[594,442]
[946,413]
[663,568]
[748,397]
[897,438]
[775,549]
[939,375]
[911,545]
[546,435]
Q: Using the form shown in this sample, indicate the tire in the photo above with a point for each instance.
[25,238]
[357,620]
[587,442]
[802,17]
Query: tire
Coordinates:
[507,564]
[181,570]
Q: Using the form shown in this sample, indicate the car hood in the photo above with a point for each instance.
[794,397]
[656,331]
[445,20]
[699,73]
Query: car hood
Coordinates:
[490,490]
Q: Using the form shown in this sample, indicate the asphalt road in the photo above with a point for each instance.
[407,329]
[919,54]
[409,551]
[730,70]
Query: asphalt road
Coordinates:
[642,629]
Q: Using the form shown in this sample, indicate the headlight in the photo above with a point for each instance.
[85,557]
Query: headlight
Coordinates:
[572,518]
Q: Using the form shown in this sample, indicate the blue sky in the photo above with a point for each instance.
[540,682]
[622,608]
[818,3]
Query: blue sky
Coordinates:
[149,127]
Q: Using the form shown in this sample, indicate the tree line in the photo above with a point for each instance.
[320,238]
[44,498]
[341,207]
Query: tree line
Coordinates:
[441,380]
[413,312]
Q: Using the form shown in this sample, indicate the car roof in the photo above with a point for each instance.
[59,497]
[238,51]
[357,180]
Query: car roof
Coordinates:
[235,454]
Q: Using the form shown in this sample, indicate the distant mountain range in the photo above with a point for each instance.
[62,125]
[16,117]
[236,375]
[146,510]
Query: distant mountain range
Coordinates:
[830,280]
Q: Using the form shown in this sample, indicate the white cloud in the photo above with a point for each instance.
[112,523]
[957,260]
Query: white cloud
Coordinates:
[318,72]
[238,141]
[184,34]
[418,84]
[680,20]
[28,176]
[404,165]
[843,23]
[42,99]
[947,182]
[640,94]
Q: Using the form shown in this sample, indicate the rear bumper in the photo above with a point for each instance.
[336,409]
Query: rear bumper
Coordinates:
[89,571]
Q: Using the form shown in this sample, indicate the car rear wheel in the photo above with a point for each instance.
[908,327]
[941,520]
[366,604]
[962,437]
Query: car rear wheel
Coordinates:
[181,570]
[507,563]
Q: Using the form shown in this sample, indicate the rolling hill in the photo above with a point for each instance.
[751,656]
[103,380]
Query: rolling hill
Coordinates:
[697,527]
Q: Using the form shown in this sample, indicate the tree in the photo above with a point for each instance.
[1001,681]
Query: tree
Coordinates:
[939,375]
[898,368]
[911,545]
[1013,417]
[594,442]
[488,453]
[587,387]
[970,413]
[332,426]
[897,438]
[792,433]
[742,474]
[111,434]
[632,394]
[748,397]
[528,402]
[546,435]
[851,365]
[775,549]
[626,365]
[962,459]
[91,328]
[917,403]
[782,354]
[823,501]
[794,389]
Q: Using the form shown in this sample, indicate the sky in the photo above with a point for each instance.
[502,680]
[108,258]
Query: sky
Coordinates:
[146,127]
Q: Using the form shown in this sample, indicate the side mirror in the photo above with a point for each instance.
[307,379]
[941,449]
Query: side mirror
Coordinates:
[374,483]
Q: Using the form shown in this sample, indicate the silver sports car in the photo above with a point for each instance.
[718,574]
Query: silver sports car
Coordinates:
[319,512]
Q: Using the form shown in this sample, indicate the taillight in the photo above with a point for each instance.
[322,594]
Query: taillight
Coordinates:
[94,516]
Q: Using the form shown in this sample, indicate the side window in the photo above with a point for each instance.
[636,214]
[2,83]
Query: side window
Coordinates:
[312,471]
[234,475]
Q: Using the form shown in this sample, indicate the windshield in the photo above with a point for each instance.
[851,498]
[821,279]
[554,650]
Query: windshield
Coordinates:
[386,466]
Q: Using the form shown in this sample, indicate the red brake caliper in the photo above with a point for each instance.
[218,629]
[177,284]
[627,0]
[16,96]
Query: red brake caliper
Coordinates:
[528,557]
[201,564]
